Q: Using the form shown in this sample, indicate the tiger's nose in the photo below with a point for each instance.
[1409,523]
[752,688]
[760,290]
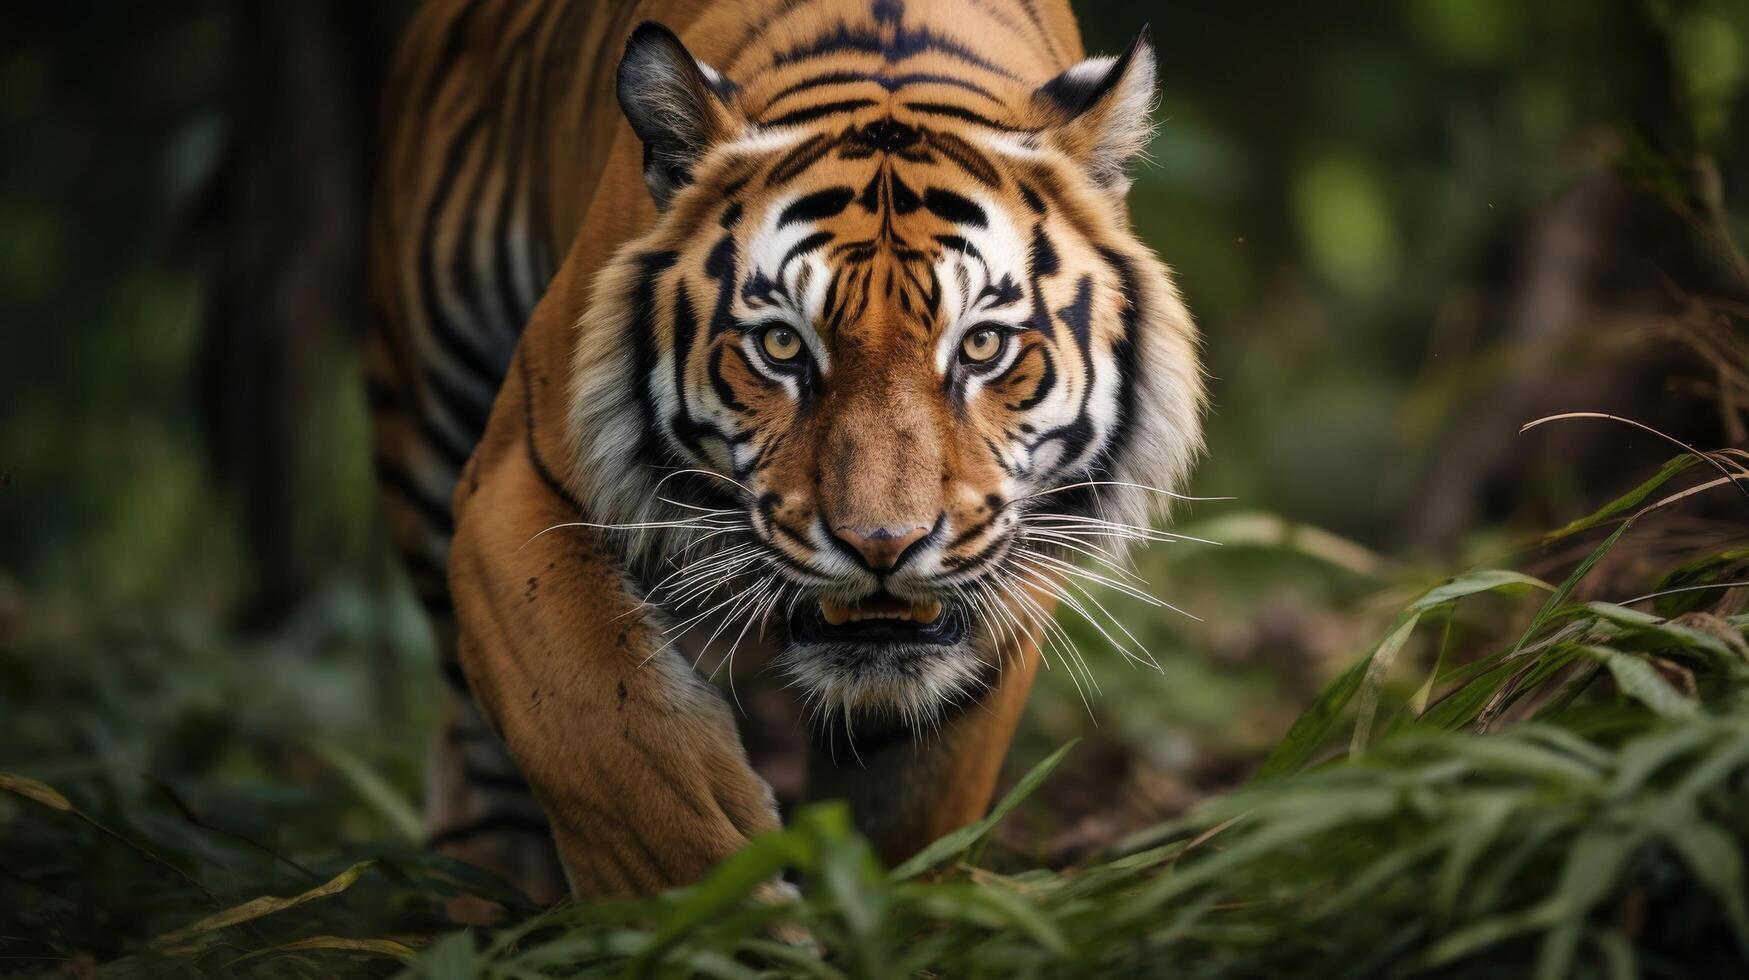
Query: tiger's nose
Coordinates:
[880,548]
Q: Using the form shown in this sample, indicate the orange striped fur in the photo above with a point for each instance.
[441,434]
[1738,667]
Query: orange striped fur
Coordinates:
[812,331]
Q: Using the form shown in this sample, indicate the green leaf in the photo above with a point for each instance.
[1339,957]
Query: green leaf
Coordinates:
[1526,758]
[1640,759]
[1619,960]
[963,839]
[1592,866]
[1723,567]
[1484,816]
[1460,707]
[1313,727]
[1627,501]
[1292,824]
[994,908]
[1477,582]
[1378,665]
[1490,932]
[1639,680]
[743,877]
[1567,585]
[373,789]
[451,958]
[1715,858]
[1418,701]
[1671,634]
[800,960]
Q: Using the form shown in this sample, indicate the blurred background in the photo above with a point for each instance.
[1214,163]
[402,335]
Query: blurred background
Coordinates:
[1406,228]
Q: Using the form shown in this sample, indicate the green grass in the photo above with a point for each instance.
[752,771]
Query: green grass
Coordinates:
[1573,801]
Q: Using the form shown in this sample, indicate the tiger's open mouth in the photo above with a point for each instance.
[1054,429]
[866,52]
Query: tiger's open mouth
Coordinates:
[879,618]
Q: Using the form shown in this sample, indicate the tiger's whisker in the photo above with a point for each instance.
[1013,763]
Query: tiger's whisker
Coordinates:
[698,472]
[1138,655]
[1117,483]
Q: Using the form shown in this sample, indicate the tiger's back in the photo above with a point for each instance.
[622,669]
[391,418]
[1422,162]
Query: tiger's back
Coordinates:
[500,118]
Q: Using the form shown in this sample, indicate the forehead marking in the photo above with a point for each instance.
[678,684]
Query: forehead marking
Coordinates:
[817,206]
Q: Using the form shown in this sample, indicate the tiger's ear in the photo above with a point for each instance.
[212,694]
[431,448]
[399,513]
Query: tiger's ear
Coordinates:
[676,104]
[1100,111]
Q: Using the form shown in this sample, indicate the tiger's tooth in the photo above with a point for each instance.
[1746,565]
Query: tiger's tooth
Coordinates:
[927,611]
[836,614]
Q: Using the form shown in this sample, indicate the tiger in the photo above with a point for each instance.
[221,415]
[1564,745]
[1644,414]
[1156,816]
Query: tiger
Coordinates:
[814,331]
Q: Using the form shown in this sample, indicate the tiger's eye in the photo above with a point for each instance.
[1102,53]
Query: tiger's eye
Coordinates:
[981,345]
[781,343]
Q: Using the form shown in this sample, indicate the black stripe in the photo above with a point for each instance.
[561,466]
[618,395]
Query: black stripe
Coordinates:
[685,329]
[455,40]
[443,443]
[969,534]
[903,44]
[806,245]
[817,206]
[451,669]
[720,384]
[949,206]
[529,102]
[510,305]
[1047,381]
[491,823]
[504,782]
[967,158]
[379,396]
[458,734]
[1078,315]
[464,277]
[481,360]
[652,450]
[468,411]
[813,112]
[540,465]
[436,513]
[960,245]
[1126,352]
[890,83]
[437,605]
[800,159]
[1044,254]
[420,563]
[961,112]
[1038,22]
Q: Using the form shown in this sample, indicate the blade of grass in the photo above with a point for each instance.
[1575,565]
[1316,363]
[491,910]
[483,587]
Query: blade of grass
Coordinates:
[373,789]
[963,839]
[265,905]
[1627,501]
[1639,680]
[1378,665]
[46,795]
[1315,724]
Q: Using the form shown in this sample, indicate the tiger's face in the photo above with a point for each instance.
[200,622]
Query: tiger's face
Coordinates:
[900,361]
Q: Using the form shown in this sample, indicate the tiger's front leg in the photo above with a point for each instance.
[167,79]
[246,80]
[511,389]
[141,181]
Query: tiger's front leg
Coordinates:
[906,788]
[635,758]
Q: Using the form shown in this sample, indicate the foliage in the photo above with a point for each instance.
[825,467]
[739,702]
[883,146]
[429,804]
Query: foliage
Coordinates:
[1599,831]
